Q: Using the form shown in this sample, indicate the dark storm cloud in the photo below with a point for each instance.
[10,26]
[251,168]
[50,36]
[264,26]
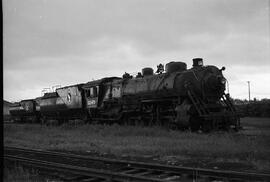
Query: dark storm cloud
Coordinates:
[43,39]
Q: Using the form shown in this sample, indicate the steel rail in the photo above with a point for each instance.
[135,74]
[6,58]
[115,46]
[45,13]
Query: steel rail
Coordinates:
[83,171]
[158,167]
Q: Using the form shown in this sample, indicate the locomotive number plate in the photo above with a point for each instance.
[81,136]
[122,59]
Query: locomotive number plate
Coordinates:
[92,103]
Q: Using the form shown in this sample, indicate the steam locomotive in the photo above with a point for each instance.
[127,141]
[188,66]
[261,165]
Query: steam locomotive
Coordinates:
[179,97]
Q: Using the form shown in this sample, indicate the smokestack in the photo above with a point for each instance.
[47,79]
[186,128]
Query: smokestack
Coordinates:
[197,62]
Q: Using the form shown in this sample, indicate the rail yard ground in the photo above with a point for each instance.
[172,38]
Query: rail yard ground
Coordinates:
[247,149]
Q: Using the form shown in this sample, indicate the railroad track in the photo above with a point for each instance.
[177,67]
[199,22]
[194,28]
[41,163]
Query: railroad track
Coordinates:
[88,168]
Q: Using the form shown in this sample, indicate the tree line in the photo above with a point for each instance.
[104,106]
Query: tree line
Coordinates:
[253,108]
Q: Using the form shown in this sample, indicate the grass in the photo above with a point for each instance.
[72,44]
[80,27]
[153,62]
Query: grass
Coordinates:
[155,143]
[256,122]
[19,174]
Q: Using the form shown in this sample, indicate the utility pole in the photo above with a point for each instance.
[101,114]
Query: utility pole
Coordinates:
[248,91]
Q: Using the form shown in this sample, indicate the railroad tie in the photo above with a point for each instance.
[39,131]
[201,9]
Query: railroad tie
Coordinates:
[131,171]
[90,179]
[175,177]
[145,172]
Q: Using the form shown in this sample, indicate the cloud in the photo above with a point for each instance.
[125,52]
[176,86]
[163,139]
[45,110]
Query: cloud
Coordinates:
[67,41]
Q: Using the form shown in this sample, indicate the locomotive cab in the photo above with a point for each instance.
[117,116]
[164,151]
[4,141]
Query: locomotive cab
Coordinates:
[98,93]
[92,93]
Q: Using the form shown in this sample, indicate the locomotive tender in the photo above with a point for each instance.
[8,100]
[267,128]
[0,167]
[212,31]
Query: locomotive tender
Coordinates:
[25,110]
[181,98]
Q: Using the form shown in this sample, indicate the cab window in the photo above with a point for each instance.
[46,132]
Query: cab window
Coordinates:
[92,92]
[87,93]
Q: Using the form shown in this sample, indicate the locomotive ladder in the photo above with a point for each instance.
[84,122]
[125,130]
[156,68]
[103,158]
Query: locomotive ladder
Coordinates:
[198,103]
[227,101]
[203,110]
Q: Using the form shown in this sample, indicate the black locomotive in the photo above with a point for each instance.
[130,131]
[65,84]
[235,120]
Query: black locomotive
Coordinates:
[181,98]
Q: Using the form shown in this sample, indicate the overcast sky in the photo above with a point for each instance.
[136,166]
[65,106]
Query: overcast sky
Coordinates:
[52,42]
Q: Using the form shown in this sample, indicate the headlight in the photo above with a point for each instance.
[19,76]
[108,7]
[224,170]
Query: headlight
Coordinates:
[223,81]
